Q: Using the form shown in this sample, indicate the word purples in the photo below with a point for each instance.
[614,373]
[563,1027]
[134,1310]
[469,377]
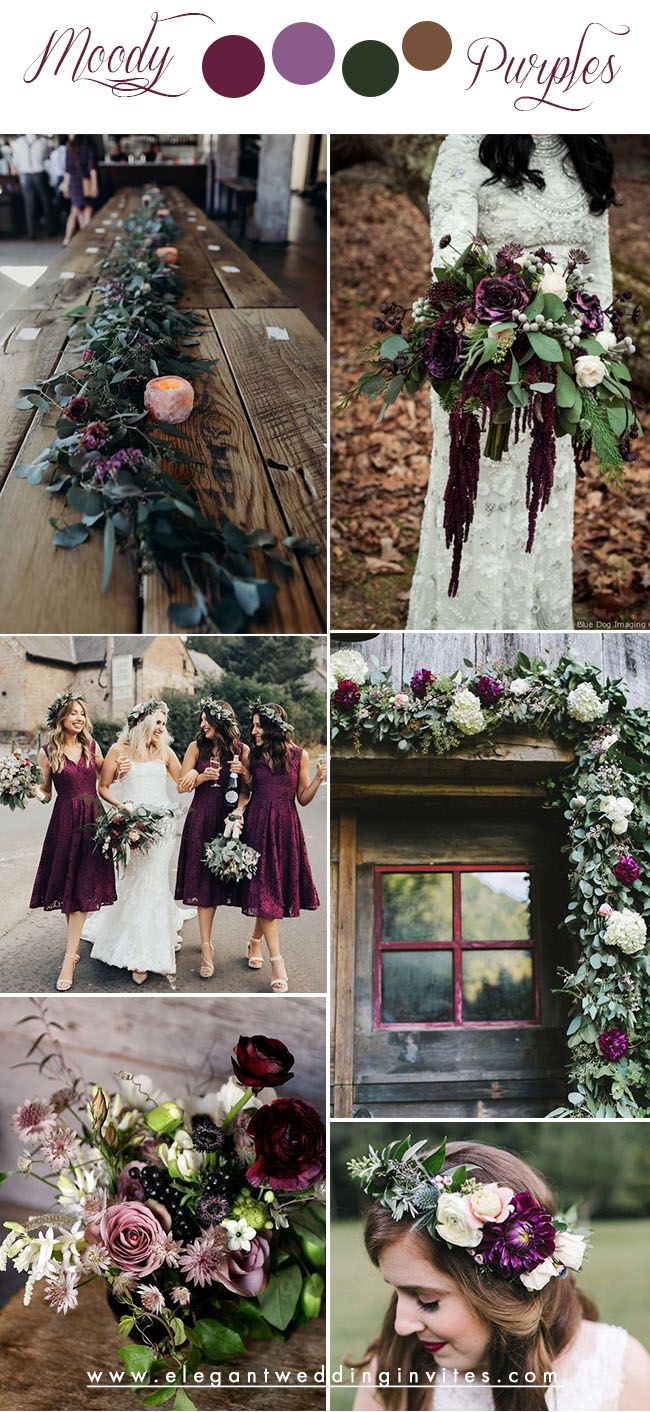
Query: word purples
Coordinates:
[548,81]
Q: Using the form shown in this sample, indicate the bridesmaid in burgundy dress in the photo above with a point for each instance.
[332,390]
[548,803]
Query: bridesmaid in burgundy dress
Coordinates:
[216,753]
[283,884]
[71,878]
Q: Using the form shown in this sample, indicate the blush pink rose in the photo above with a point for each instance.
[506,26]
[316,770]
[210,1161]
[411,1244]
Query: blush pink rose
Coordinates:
[490,1203]
[132,1236]
[247,1272]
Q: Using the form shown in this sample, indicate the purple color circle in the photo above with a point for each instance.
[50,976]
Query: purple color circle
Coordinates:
[303,53]
[233,66]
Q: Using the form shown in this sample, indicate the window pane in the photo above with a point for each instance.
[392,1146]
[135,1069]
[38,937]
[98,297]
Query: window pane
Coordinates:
[417,986]
[495,906]
[498,985]
[417,907]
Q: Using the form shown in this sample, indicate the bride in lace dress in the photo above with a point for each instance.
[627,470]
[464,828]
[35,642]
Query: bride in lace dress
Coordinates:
[141,932]
[550,205]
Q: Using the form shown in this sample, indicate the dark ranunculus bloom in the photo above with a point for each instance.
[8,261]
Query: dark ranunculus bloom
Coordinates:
[77,410]
[497,297]
[441,351]
[420,681]
[488,690]
[259,1062]
[522,1241]
[289,1138]
[347,695]
[613,1044]
[593,318]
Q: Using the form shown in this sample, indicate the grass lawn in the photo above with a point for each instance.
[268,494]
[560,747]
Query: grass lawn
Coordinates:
[616,1276]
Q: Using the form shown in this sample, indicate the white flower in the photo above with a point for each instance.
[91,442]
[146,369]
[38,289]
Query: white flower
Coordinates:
[240,1234]
[61,1289]
[348,665]
[521,686]
[589,370]
[179,1157]
[465,712]
[627,930]
[552,282]
[76,1186]
[570,1249]
[138,1091]
[455,1222]
[607,742]
[606,339]
[34,1253]
[584,704]
[218,1105]
[540,1276]
[617,808]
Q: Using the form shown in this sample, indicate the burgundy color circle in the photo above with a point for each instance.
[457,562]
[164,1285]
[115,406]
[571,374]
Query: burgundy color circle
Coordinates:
[233,66]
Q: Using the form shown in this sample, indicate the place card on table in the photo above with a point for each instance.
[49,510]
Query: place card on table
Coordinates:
[214,247]
[276,333]
[28,334]
[92,250]
[68,274]
[231,269]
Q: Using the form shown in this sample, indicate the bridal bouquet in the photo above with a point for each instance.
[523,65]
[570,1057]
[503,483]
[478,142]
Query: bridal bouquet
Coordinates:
[18,776]
[203,1216]
[230,859]
[126,831]
[514,343]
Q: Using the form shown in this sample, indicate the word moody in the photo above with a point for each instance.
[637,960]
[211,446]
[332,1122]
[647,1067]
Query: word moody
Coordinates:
[127,71]
[548,82]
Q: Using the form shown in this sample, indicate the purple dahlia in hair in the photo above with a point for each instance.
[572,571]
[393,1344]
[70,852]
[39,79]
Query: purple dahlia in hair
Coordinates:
[420,681]
[488,690]
[627,869]
[593,318]
[497,297]
[522,1241]
[442,351]
[613,1044]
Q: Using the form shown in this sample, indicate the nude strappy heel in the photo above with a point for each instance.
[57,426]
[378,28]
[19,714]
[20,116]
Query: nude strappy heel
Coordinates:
[64,984]
[206,969]
[255,963]
[279,984]
[139,977]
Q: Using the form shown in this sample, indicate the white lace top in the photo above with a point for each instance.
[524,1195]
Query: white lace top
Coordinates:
[502,587]
[589,1377]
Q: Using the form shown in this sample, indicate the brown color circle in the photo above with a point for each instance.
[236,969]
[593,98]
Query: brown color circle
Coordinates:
[426,45]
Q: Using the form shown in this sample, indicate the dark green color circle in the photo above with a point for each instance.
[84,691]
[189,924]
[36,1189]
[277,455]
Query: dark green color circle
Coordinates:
[370,68]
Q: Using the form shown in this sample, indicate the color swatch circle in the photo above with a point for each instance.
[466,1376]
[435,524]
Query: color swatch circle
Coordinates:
[370,68]
[233,66]
[303,53]
[426,46]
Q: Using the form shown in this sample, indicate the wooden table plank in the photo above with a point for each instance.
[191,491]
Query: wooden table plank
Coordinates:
[23,361]
[247,286]
[201,288]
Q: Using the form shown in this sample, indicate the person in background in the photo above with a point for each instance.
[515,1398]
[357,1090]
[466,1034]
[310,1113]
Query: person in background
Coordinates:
[28,156]
[151,152]
[117,153]
[76,186]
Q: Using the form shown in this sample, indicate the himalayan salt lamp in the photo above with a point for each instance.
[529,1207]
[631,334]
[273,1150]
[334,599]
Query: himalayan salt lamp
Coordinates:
[169,399]
[168,253]
[163,211]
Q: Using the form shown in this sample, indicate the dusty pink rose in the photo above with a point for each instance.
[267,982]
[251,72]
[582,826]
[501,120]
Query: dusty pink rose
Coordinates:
[246,1272]
[133,1236]
[490,1203]
[605,910]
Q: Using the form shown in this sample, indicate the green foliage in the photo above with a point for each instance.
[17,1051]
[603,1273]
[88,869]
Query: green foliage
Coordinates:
[278,659]
[280,1298]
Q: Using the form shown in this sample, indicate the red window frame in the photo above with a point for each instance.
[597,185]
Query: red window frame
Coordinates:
[456,945]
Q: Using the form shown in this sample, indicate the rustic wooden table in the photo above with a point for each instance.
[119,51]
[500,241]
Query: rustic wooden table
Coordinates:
[258,433]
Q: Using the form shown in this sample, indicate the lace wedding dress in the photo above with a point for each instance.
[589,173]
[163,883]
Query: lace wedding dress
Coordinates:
[502,587]
[590,1377]
[140,931]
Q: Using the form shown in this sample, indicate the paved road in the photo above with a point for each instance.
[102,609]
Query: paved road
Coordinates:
[31,943]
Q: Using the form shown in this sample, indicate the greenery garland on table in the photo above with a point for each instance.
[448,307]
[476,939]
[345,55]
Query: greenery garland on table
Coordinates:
[107,457]
[604,797]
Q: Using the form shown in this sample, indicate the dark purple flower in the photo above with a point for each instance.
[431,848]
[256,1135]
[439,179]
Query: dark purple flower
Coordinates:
[544,255]
[77,409]
[347,695]
[522,1241]
[613,1044]
[444,241]
[246,1272]
[488,690]
[213,1208]
[442,350]
[498,296]
[506,256]
[579,255]
[206,1136]
[289,1138]
[593,318]
[420,681]
[627,869]
[258,1062]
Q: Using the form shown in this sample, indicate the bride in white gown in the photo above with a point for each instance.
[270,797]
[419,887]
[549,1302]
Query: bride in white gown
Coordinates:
[140,932]
[502,587]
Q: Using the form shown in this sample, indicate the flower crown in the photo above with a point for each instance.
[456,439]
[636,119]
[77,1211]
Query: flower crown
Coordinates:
[216,709]
[54,709]
[505,1232]
[267,711]
[142,709]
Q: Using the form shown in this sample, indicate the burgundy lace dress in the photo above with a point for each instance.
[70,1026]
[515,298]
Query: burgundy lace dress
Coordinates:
[195,884]
[283,885]
[71,876]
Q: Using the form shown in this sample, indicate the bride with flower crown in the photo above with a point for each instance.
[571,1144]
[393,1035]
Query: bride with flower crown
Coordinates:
[141,932]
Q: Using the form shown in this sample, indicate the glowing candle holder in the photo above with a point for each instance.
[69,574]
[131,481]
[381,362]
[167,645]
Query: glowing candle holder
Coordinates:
[164,211]
[167,253]
[169,399]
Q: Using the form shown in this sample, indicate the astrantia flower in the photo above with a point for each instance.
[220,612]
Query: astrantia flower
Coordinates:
[488,690]
[347,695]
[613,1044]
[522,1241]
[151,1299]
[420,681]
[32,1119]
[627,869]
[169,1248]
[61,1147]
[584,704]
[465,712]
[204,1258]
[626,930]
[348,665]
[61,1290]
[180,1296]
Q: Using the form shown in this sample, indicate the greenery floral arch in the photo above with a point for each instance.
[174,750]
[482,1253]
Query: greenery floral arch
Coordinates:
[605,800]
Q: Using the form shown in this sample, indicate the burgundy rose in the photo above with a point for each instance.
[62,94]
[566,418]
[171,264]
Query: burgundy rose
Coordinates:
[289,1139]
[132,1235]
[441,351]
[627,869]
[259,1062]
[347,694]
[420,681]
[613,1044]
[77,410]
[497,297]
[593,318]
[488,690]
[246,1272]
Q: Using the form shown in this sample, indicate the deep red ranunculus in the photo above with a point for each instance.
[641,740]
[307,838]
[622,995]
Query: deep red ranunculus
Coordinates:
[259,1062]
[498,296]
[77,409]
[442,350]
[289,1138]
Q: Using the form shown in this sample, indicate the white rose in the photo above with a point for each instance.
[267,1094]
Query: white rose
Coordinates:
[584,704]
[617,808]
[520,686]
[455,1223]
[348,665]
[540,1276]
[627,930]
[589,370]
[553,282]
[465,712]
[606,339]
[570,1249]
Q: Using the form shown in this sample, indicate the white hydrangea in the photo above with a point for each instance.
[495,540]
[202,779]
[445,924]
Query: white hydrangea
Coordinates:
[617,808]
[520,686]
[584,704]
[465,712]
[627,930]
[347,665]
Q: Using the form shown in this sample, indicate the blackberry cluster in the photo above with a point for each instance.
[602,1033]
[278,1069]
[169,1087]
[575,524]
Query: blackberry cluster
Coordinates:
[390,318]
[156,1184]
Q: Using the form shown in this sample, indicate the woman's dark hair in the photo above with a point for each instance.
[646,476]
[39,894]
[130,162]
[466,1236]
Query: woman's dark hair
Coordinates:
[276,743]
[226,735]
[508,159]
